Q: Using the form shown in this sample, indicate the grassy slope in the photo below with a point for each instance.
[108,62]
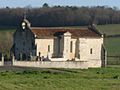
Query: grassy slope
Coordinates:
[61,79]
[111,29]
[112,44]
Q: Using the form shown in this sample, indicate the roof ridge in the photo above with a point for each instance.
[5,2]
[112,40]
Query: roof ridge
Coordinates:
[57,28]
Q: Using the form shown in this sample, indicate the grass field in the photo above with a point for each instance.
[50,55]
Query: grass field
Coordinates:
[111,29]
[61,79]
[112,44]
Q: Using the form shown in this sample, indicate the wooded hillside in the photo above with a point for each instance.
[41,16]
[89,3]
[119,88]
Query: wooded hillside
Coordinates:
[60,15]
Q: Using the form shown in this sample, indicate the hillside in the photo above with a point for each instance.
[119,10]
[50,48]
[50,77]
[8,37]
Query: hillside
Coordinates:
[111,29]
[111,43]
[60,16]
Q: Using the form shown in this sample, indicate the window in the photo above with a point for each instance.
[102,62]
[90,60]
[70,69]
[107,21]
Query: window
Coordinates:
[91,51]
[71,46]
[48,48]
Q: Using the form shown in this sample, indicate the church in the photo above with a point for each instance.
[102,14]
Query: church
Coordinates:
[58,44]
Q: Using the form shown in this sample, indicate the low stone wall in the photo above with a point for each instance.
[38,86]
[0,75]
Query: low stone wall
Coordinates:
[52,64]
[1,63]
[58,59]
[94,64]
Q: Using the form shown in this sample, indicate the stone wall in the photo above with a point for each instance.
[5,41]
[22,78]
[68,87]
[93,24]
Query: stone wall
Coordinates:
[42,47]
[1,63]
[58,59]
[90,48]
[94,63]
[52,64]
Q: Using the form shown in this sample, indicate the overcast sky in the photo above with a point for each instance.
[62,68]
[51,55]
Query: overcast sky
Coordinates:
[39,3]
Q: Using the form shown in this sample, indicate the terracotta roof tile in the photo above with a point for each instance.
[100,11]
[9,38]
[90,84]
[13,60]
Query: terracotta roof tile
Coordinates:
[51,32]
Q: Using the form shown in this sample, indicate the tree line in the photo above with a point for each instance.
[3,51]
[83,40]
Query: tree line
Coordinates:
[60,15]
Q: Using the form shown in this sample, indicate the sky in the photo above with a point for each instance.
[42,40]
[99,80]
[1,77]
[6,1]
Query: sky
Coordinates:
[39,3]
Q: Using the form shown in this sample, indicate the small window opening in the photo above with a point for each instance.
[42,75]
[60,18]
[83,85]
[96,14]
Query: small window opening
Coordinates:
[91,51]
[71,46]
[48,48]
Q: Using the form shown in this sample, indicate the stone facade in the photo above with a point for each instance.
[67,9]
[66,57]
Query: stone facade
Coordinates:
[52,64]
[58,44]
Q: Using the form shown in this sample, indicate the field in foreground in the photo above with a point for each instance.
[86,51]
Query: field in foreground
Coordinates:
[60,79]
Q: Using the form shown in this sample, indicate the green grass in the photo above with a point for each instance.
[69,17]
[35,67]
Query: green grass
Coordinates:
[111,29]
[112,45]
[61,79]
[108,29]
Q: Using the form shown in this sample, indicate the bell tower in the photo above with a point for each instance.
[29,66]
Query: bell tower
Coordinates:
[25,23]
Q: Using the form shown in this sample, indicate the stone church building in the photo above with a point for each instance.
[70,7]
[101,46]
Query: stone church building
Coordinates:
[58,44]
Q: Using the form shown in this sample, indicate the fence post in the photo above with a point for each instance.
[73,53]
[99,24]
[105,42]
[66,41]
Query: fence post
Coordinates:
[105,58]
[13,59]
[3,59]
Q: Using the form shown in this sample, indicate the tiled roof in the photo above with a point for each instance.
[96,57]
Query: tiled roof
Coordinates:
[76,32]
